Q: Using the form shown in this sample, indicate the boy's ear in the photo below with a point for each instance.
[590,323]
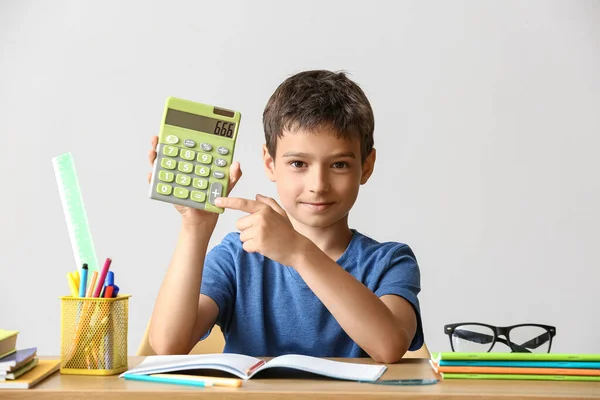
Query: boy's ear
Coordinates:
[368,166]
[269,163]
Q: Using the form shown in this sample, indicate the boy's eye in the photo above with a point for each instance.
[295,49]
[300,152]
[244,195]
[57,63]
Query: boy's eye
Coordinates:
[298,164]
[340,164]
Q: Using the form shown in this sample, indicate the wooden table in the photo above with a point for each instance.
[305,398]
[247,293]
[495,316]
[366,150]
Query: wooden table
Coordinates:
[112,387]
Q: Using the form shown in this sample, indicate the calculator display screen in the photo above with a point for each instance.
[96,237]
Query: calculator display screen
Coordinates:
[199,123]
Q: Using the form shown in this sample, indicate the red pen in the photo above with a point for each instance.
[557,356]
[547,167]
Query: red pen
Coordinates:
[108,292]
[102,277]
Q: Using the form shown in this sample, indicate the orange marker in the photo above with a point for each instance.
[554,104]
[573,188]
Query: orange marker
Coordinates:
[92,284]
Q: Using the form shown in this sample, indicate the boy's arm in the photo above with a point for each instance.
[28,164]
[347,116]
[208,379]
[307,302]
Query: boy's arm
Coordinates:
[181,315]
[383,327]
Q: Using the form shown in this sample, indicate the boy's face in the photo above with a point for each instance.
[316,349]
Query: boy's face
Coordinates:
[318,175]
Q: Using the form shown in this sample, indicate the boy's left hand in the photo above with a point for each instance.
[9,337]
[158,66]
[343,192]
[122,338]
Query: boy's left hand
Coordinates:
[267,230]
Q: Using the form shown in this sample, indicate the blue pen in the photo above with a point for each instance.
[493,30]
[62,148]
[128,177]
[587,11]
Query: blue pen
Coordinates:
[83,280]
[110,280]
[160,379]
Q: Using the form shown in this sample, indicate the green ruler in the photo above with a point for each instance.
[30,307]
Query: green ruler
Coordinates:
[75,216]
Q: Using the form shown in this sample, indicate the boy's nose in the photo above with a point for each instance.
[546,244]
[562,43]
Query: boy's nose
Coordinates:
[319,180]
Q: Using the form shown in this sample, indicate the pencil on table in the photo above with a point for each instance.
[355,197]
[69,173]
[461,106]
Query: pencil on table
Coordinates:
[227,382]
[253,368]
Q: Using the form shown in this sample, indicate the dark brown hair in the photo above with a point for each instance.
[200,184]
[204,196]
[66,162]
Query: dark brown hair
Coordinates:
[313,99]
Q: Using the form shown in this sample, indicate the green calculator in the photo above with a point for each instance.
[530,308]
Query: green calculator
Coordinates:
[194,152]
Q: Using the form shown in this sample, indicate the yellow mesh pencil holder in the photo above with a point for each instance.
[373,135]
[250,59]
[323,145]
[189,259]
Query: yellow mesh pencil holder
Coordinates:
[93,335]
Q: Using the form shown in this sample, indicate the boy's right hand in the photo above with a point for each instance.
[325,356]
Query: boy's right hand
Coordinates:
[193,216]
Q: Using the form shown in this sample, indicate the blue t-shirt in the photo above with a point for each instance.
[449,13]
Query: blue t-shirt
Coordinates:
[266,309]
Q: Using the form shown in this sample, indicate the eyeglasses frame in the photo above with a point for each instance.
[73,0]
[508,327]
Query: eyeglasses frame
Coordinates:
[500,331]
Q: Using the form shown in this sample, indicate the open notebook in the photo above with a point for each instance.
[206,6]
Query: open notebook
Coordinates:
[245,367]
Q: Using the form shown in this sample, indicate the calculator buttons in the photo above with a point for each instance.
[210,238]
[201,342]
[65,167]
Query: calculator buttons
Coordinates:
[216,190]
[200,197]
[204,158]
[222,150]
[202,170]
[183,180]
[168,163]
[181,193]
[188,154]
[206,147]
[172,139]
[185,167]
[162,188]
[166,176]
[200,183]
[190,171]
[170,151]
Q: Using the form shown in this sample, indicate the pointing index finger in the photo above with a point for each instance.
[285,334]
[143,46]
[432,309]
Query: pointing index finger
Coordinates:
[238,203]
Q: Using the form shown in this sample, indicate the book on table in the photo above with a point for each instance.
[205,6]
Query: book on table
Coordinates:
[8,375]
[18,363]
[42,370]
[517,366]
[17,359]
[21,369]
[437,357]
[522,377]
[245,367]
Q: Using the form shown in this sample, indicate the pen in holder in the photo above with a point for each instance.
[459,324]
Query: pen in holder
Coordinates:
[93,335]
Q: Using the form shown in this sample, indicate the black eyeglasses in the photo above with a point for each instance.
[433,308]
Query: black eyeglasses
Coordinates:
[523,338]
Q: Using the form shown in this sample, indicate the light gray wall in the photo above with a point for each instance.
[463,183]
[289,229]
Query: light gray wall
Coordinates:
[487,123]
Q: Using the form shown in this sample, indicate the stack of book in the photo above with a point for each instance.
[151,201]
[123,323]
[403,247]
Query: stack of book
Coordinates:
[521,366]
[21,369]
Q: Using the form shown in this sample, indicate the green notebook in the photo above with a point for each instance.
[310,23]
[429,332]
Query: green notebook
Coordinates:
[436,357]
[522,377]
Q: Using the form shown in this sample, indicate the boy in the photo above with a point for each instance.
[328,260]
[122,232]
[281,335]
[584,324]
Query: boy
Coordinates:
[296,279]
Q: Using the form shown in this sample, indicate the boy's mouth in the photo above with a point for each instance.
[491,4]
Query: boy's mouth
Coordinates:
[320,206]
